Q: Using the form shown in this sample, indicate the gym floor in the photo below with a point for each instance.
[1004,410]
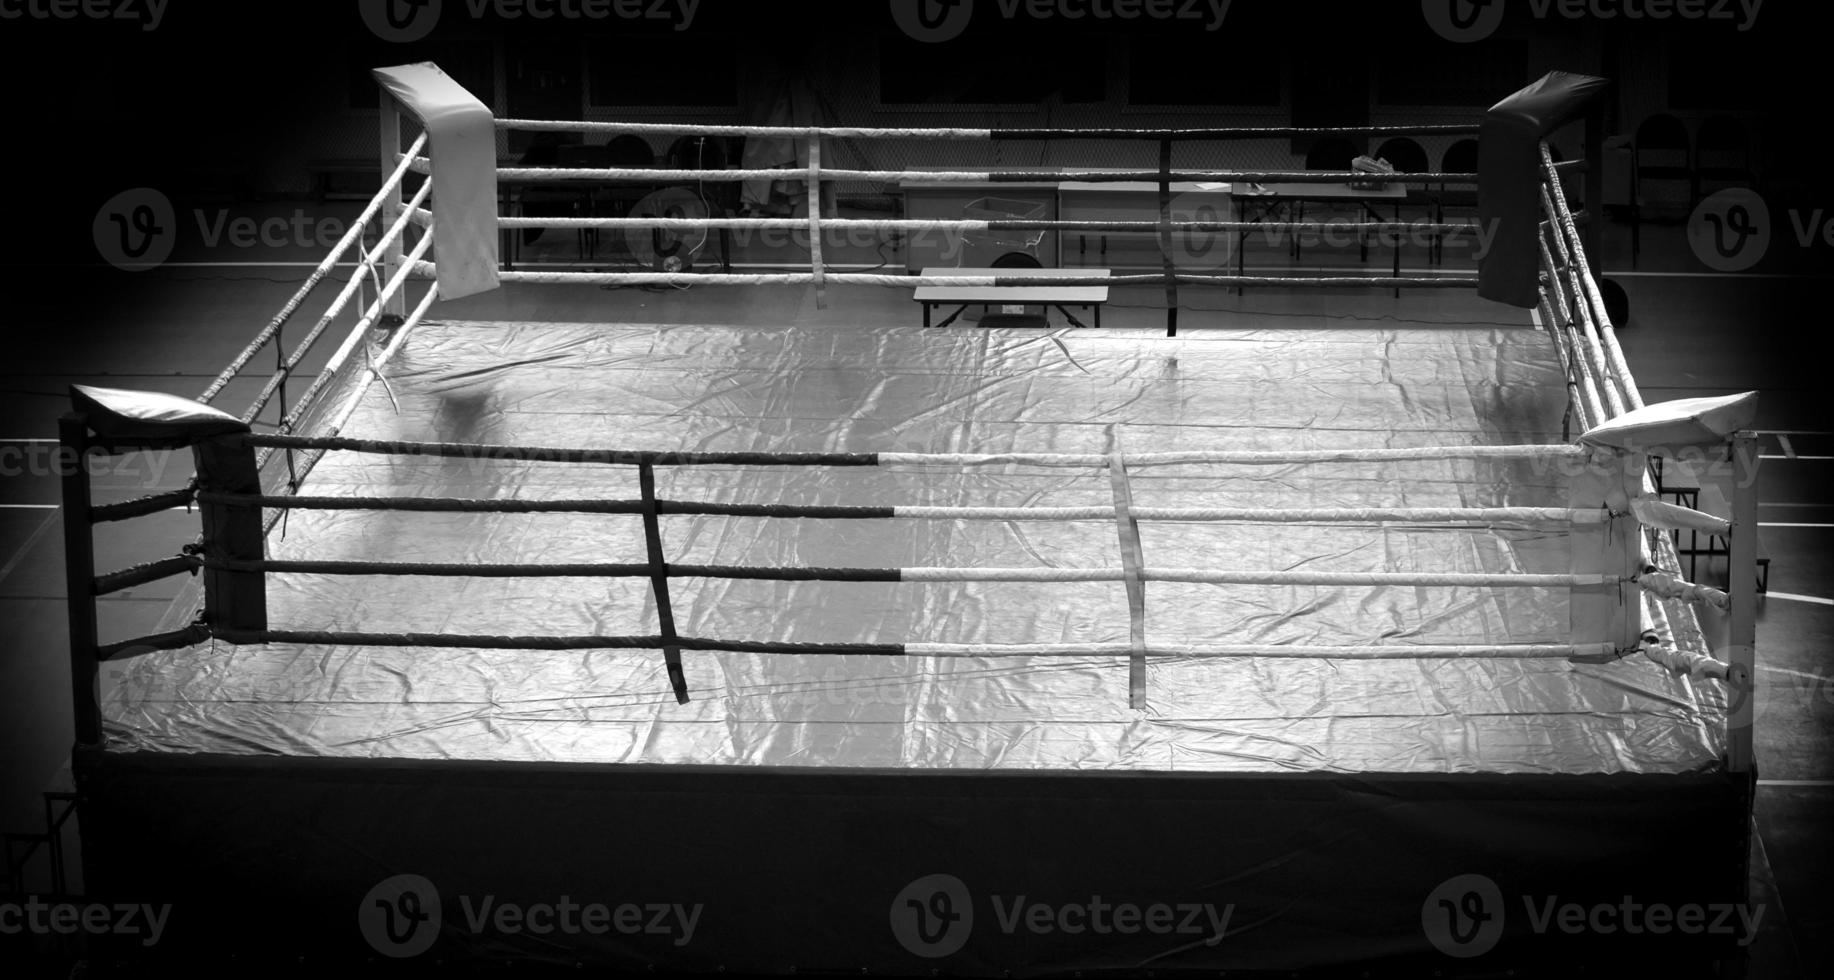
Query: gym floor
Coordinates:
[1689,333]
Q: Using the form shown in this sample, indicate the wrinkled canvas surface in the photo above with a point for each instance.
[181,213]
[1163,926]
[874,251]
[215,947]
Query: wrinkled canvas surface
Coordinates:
[643,386]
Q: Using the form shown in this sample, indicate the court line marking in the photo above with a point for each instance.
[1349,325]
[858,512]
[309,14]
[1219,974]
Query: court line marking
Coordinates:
[1789,524]
[1796,782]
[1778,503]
[1792,673]
[1711,275]
[1791,456]
[1791,596]
[30,506]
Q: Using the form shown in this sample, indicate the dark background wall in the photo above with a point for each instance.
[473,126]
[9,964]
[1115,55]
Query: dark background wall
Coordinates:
[245,99]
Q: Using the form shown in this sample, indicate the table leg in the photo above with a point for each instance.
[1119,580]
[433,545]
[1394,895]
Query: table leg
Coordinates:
[1397,250]
[926,316]
[1098,315]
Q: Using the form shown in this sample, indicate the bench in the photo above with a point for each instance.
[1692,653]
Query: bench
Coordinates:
[1713,501]
[987,295]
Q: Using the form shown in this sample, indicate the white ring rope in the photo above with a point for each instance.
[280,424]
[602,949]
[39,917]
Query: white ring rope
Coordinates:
[955,224]
[1669,586]
[657,174]
[836,132]
[1207,576]
[1393,651]
[1019,279]
[1270,515]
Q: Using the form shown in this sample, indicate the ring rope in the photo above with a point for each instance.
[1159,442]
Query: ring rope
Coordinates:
[1098,512]
[1194,576]
[1667,586]
[351,236]
[1566,339]
[1607,331]
[393,233]
[374,371]
[1526,651]
[1570,272]
[656,174]
[966,224]
[355,285]
[1544,315]
[963,133]
[871,279]
[457,450]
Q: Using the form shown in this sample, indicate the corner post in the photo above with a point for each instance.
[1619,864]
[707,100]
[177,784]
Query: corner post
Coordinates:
[1741,572]
[232,532]
[79,576]
[392,202]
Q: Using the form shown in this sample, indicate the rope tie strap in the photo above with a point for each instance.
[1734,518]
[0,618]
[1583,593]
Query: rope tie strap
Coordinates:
[1133,560]
[658,570]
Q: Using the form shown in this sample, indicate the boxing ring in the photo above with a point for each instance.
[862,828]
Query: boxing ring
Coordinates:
[812,629]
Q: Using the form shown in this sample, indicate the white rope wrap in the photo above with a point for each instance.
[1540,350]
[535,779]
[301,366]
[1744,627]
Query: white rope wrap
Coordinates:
[1018,279]
[1690,662]
[1243,457]
[836,132]
[1206,576]
[1670,586]
[1271,515]
[1671,517]
[1392,651]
